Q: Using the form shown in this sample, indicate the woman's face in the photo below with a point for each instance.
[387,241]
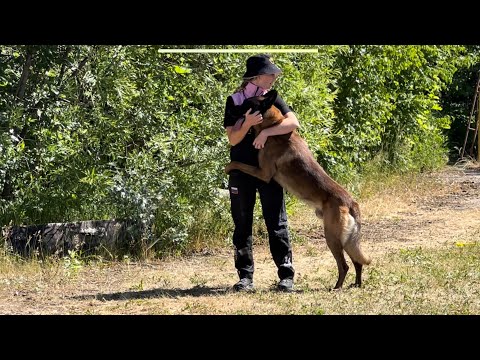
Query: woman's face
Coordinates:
[265,81]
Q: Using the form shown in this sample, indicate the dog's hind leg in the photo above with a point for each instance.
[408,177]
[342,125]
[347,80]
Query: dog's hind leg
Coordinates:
[335,246]
[358,274]
[358,257]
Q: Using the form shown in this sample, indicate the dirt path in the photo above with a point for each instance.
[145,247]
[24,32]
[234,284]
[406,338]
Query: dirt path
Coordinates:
[201,283]
[444,217]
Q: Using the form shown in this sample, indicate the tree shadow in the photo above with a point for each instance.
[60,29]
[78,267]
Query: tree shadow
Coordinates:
[156,293]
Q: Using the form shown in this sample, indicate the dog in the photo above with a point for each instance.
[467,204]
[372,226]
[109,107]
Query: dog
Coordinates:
[288,160]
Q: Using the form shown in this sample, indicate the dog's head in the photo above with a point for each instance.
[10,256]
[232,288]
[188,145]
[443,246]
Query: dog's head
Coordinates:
[264,104]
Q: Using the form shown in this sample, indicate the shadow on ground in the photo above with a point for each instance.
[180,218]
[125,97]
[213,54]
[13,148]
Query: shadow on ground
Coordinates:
[157,293]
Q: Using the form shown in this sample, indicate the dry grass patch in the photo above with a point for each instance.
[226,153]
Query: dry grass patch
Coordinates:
[422,234]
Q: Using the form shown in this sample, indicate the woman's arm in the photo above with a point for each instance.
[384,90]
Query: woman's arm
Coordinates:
[288,124]
[237,132]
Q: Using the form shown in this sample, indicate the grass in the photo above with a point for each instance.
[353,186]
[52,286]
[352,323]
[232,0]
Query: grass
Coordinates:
[408,281]
[436,277]
[421,281]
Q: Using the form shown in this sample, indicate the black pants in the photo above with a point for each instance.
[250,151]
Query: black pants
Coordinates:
[243,189]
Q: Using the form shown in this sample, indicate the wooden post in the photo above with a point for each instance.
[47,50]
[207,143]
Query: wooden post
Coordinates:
[470,118]
[478,124]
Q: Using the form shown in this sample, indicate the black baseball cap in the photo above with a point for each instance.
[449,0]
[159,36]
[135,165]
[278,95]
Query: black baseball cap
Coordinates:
[259,65]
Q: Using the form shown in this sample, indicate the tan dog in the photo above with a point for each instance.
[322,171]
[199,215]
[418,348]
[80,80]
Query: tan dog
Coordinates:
[288,160]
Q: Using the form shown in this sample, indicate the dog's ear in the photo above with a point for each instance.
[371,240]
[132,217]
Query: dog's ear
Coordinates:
[242,109]
[270,98]
[237,111]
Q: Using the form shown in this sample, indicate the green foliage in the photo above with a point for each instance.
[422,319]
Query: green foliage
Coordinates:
[389,99]
[72,263]
[100,132]
[457,102]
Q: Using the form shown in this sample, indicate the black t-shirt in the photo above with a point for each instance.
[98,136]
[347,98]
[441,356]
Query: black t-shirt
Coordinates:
[244,151]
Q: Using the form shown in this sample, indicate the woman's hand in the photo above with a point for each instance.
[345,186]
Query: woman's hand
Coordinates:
[253,119]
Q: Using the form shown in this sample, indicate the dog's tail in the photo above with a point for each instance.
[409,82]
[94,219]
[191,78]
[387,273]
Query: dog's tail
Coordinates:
[352,245]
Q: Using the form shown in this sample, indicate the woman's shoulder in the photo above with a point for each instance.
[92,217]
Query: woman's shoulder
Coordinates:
[237,98]
[282,105]
[230,99]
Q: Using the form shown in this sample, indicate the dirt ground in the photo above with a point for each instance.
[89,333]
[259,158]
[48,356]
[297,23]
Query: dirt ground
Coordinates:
[202,283]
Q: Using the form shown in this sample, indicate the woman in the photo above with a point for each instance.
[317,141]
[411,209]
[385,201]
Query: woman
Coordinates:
[260,75]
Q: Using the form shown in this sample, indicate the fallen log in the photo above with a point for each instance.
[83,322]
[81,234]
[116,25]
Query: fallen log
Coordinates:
[57,238]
